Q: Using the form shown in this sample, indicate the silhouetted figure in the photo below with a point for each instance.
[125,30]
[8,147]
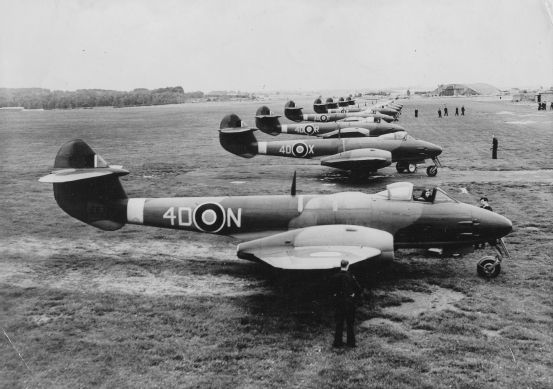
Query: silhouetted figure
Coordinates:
[463,110]
[551,106]
[416,113]
[445,111]
[495,145]
[439,113]
[345,288]
[456,111]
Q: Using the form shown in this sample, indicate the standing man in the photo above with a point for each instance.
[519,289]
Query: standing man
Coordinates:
[484,204]
[445,111]
[417,112]
[439,112]
[345,288]
[495,145]
[456,111]
[551,106]
[463,110]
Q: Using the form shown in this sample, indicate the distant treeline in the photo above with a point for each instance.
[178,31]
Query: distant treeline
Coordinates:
[36,98]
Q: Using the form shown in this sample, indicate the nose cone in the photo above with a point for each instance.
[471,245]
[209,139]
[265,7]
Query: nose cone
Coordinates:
[430,149]
[492,225]
[393,127]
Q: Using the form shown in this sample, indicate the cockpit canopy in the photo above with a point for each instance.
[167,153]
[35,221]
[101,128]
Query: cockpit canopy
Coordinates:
[403,191]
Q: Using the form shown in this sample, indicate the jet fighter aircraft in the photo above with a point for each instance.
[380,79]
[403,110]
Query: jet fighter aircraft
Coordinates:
[361,156]
[288,231]
[382,108]
[296,114]
[270,124]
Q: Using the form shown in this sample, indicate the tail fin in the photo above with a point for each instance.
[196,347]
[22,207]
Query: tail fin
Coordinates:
[87,188]
[266,121]
[292,112]
[319,106]
[342,102]
[331,104]
[236,138]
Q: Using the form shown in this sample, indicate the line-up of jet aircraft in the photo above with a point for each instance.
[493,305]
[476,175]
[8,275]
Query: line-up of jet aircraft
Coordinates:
[297,231]
[345,142]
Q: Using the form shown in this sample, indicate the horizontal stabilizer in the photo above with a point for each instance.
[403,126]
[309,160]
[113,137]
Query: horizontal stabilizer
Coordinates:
[238,130]
[318,247]
[68,175]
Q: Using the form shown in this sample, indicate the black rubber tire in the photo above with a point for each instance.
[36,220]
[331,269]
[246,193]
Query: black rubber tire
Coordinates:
[488,268]
[400,168]
[431,171]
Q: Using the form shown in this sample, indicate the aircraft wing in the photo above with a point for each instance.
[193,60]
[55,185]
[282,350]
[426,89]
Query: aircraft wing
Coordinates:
[359,159]
[318,247]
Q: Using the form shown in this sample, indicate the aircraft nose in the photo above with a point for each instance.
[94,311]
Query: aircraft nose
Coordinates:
[432,150]
[493,225]
[397,127]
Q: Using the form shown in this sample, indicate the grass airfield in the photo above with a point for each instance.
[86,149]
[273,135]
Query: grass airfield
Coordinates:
[145,307]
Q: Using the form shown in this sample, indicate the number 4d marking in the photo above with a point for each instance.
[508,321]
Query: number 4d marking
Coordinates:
[170,214]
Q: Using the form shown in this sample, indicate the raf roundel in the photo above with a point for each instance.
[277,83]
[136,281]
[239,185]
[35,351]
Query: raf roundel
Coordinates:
[209,217]
[300,149]
[309,129]
[324,118]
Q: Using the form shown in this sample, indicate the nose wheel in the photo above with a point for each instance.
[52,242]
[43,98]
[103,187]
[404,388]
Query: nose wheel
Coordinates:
[431,171]
[490,266]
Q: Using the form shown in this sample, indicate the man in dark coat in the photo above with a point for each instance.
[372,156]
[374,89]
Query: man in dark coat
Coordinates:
[439,112]
[346,289]
[463,110]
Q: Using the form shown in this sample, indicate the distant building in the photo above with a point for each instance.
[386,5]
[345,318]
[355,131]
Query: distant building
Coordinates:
[466,90]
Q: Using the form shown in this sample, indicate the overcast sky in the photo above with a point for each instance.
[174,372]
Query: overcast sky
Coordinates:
[252,45]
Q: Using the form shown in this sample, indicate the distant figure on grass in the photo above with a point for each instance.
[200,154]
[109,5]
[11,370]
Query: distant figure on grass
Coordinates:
[439,113]
[551,106]
[495,145]
[416,113]
[456,111]
[463,110]
[345,288]
[445,111]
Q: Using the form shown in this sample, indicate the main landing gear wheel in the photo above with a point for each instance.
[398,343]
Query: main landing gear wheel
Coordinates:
[488,267]
[431,171]
[411,168]
[400,168]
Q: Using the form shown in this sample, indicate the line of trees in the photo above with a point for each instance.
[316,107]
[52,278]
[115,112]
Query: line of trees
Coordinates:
[36,98]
